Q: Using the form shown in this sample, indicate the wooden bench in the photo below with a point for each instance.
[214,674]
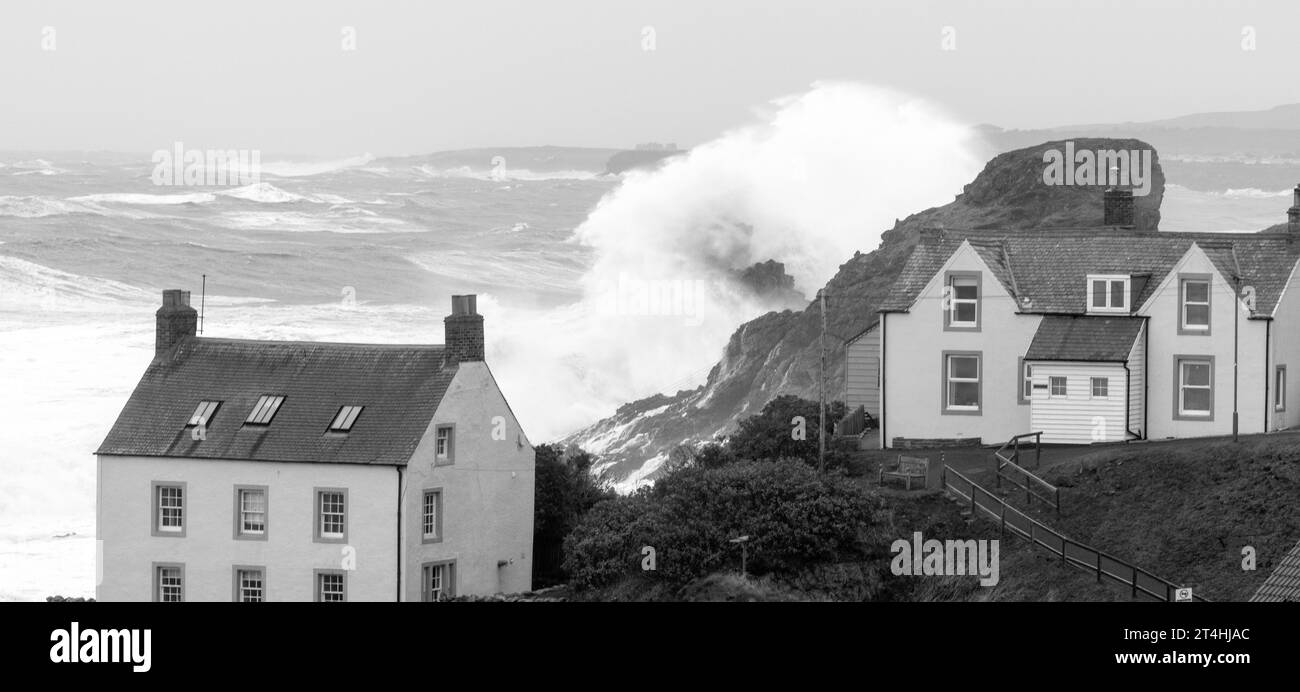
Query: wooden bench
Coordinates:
[907,468]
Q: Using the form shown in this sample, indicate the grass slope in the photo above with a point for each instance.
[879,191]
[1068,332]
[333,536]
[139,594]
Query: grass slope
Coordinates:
[1185,510]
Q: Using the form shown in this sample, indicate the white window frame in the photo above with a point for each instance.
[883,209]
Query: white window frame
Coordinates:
[949,380]
[1026,382]
[1182,412]
[1183,303]
[1051,387]
[243,512]
[968,279]
[324,519]
[1092,387]
[1110,280]
[445,571]
[444,447]
[431,519]
[339,596]
[162,574]
[169,506]
[251,593]
[1279,388]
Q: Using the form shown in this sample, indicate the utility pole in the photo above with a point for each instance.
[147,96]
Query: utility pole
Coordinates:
[203,301]
[821,428]
[1236,321]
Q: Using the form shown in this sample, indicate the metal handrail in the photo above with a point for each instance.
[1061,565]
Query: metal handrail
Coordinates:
[1015,441]
[1053,496]
[1035,537]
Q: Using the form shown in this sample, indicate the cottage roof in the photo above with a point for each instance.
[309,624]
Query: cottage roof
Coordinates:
[399,387]
[1049,268]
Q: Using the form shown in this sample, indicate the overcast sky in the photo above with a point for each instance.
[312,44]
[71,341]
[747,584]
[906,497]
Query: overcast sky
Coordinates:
[443,74]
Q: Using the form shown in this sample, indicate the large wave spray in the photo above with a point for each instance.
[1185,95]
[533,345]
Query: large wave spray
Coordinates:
[817,176]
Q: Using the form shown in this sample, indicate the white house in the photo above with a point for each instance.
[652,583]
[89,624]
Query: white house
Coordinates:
[296,471]
[1085,335]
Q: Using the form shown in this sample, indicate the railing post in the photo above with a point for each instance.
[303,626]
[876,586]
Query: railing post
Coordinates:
[1056,493]
[1063,547]
[1038,450]
[1002,528]
[1098,566]
[972,500]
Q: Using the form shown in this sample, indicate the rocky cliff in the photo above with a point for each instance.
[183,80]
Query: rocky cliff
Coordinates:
[779,353]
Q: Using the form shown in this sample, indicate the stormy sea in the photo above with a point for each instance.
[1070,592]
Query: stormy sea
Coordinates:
[370,249]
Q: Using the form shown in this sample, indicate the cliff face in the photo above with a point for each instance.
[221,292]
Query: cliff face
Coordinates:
[778,353]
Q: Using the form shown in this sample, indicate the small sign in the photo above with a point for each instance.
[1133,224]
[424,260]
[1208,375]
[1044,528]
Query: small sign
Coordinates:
[1184,594]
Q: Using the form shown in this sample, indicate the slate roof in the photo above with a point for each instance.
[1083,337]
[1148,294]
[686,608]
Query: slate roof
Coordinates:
[1284,583]
[1050,266]
[399,386]
[1084,338]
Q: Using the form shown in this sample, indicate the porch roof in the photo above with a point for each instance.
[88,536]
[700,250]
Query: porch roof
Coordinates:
[1084,338]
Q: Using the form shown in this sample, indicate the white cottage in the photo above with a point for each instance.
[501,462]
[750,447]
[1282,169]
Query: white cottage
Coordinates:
[300,471]
[1086,335]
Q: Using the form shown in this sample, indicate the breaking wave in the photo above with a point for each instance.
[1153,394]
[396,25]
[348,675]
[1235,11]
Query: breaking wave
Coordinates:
[815,177]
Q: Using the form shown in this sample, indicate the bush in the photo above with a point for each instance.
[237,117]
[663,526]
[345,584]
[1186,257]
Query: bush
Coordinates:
[563,492]
[770,435]
[793,515]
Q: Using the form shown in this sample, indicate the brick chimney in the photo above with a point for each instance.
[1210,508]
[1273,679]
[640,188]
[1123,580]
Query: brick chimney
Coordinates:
[464,331]
[176,320]
[1118,208]
[1293,214]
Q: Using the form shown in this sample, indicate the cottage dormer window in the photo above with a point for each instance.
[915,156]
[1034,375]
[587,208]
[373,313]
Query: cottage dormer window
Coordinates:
[1108,293]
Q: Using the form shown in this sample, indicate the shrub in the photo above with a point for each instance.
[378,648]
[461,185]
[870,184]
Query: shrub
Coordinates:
[769,435]
[564,490]
[793,515]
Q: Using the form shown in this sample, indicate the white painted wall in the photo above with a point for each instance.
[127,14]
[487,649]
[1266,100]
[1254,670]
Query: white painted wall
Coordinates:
[1137,383]
[1078,417]
[487,493]
[913,362]
[1165,342]
[209,551]
[1285,350]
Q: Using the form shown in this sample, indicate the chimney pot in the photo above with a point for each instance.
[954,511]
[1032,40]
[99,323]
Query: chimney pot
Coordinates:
[1118,208]
[1293,214]
[175,320]
[463,330]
